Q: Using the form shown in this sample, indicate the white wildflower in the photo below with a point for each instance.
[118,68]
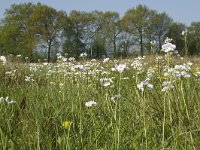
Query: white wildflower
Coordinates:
[105,82]
[81,67]
[19,56]
[12,102]
[150,86]
[150,72]
[168,40]
[64,59]
[144,84]
[117,96]
[120,68]
[93,60]
[168,47]
[1,99]
[106,60]
[113,69]
[83,55]
[27,78]
[184,33]
[3,59]
[167,85]
[7,100]
[71,59]
[90,103]
[140,86]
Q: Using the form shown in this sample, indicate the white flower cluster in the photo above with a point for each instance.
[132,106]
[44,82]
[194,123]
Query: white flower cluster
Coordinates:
[184,33]
[83,55]
[29,79]
[11,74]
[81,67]
[144,84]
[179,71]
[7,100]
[166,85]
[105,82]
[168,46]
[106,60]
[116,97]
[137,64]
[3,59]
[120,68]
[150,72]
[71,59]
[90,103]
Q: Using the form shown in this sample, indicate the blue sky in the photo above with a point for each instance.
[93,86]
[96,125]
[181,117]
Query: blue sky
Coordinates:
[185,11]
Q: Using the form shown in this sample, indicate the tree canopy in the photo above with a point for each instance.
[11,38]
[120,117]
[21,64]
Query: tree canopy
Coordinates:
[40,31]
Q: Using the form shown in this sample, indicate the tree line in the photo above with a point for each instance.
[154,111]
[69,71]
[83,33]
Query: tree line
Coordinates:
[39,31]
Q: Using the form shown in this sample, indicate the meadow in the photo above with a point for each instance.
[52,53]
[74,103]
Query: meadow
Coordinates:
[125,104]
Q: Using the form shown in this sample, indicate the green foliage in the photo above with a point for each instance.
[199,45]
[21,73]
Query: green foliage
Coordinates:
[27,25]
[39,31]
[16,36]
[98,48]
[136,22]
[193,36]
[174,32]
[74,32]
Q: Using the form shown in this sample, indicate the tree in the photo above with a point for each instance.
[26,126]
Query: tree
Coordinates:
[16,35]
[135,21]
[150,33]
[97,34]
[194,38]
[47,25]
[174,32]
[112,29]
[161,23]
[75,30]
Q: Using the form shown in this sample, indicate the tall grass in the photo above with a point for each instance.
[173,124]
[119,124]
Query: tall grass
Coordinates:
[130,113]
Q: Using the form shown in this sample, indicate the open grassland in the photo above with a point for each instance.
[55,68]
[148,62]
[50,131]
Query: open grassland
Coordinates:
[138,103]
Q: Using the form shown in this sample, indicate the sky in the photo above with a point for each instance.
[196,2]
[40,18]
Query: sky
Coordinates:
[184,11]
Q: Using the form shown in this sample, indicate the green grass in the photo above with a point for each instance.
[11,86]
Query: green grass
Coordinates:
[148,119]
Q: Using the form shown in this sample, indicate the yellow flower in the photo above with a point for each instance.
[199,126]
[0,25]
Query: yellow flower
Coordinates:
[164,78]
[197,68]
[66,124]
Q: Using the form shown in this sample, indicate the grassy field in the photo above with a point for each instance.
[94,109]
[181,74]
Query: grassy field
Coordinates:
[138,103]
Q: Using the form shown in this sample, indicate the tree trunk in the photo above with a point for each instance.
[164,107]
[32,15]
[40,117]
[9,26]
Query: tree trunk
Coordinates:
[97,47]
[114,43]
[49,51]
[141,45]
[160,44]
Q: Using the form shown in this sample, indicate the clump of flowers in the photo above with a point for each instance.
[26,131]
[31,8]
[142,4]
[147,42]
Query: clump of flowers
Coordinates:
[120,68]
[168,46]
[71,59]
[166,85]
[197,71]
[3,60]
[137,64]
[28,79]
[90,103]
[178,71]
[184,33]
[116,97]
[150,72]
[7,100]
[66,124]
[83,55]
[105,82]
[106,60]
[144,84]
